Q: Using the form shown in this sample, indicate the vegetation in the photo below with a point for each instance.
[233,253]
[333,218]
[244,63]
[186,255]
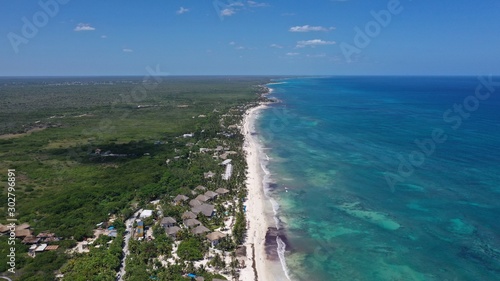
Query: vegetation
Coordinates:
[191,249]
[40,268]
[217,262]
[239,227]
[99,264]
[51,130]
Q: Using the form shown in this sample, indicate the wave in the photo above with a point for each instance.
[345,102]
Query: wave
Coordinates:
[276,207]
[276,83]
[267,181]
[281,255]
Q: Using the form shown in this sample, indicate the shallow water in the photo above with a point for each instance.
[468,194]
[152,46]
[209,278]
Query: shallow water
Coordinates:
[365,194]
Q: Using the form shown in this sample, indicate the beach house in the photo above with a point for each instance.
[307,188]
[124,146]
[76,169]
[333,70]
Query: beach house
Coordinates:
[215,237]
[167,222]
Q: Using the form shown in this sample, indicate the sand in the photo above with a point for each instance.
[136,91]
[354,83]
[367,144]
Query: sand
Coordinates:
[259,211]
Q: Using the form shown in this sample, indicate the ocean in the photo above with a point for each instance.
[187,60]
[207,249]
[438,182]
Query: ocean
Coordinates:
[385,178]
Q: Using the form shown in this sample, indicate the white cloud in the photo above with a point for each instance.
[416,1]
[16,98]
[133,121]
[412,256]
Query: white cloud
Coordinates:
[236,4]
[84,27]
[126,50]
[104,36]
[233,7]
[292,54]
[182,10]
[236,46]
[308,28]
[256,4]
[314,43]
[276,46]
[227,12]
[316,56]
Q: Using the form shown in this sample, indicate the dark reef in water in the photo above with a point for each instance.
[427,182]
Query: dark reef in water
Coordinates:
[271,244]
[272,186]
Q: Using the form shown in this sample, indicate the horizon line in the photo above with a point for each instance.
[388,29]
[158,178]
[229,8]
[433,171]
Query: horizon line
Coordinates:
[246,75]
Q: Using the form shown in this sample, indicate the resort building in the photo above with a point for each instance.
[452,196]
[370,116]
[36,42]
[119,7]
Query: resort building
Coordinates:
[191,223]
[206,209]
[215,237]
[222,191]
[180,198]
[194,203]
[172,231]
[146,214]
[200,229]
[202,198]
[167,222]
[211,195]
[200,188]
[189,215]
[229,171]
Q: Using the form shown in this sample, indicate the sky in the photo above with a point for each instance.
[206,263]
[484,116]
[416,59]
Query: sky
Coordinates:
[236,37]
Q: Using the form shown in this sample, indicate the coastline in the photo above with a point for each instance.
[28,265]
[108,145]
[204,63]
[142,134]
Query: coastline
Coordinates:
[260,214]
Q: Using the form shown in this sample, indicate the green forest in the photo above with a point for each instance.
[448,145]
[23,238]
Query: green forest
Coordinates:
[85,149]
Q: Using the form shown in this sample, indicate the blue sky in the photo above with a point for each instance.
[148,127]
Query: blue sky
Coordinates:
[284,37]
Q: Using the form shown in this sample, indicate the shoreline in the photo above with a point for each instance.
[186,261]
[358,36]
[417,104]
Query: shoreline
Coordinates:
[260,214]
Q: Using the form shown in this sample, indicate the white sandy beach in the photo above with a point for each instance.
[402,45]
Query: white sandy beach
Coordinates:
[259,211]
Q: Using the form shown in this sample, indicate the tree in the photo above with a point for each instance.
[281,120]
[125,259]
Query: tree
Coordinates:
[190,249]
[217,262]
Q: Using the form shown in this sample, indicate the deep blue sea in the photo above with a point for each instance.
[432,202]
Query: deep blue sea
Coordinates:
[386,178]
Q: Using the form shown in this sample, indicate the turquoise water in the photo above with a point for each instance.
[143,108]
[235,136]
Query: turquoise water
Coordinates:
[386,178]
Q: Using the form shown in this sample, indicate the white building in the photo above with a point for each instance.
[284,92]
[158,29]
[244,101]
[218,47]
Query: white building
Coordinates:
[146,214]
[228,173]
